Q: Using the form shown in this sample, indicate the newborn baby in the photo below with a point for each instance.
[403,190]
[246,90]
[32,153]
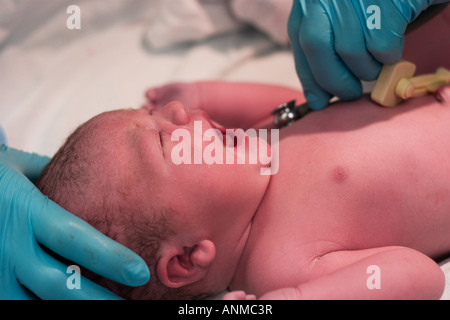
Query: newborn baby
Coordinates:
[361,191]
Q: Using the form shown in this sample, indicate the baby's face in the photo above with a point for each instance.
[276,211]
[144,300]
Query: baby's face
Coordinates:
[215,196]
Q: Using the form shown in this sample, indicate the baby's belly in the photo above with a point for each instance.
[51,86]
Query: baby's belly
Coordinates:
[366,178]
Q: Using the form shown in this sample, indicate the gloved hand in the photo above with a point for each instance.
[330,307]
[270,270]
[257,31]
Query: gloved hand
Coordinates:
[334,48]
[2,136]
[29,220]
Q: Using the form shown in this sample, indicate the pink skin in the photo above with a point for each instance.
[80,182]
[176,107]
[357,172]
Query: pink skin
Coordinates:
[325,253]
[238,295]
[443,94]
[144,137]
[314,225]
[234,105]
[368,185]
[358,186]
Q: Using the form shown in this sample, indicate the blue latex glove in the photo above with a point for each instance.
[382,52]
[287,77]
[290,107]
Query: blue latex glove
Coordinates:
[334,49]
[2,136]
[28,220]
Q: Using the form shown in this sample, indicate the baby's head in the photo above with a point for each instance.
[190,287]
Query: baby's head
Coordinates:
[189,222]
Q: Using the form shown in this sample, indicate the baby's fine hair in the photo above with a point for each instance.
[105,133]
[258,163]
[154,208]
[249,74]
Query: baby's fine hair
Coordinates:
[76,181]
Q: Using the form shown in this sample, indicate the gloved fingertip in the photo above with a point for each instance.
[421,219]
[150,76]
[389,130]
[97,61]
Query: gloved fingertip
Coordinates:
[387,51]
[369,73]
[315,102]
[350,96]
[2,136]
[352,90]
[137,273]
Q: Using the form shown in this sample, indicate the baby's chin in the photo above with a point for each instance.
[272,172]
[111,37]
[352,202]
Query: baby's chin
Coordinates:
[255,148]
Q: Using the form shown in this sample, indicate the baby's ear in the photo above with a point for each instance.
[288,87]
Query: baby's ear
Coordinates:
[180,265]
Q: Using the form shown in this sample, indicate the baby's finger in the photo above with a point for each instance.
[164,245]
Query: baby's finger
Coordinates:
[443,94]
[151,94]
[153,98]
[234,295]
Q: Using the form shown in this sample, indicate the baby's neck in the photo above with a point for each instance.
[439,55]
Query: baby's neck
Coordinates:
[237,271]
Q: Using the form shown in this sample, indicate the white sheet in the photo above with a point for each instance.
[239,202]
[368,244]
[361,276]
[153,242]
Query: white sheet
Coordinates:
[52,78]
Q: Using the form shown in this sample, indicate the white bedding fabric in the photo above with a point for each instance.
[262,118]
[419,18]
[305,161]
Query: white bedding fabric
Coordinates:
[52,79]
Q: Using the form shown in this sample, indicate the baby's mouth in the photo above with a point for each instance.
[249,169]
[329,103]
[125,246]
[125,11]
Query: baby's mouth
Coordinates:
[228,137]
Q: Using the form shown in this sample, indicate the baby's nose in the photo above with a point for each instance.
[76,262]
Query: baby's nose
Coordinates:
[176,113]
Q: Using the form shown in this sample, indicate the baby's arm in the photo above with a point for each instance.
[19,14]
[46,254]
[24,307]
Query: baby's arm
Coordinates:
[381,273]
[234,105]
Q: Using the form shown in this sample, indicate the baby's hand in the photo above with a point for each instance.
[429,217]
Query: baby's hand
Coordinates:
[186,93]
[238,295]
[443,94]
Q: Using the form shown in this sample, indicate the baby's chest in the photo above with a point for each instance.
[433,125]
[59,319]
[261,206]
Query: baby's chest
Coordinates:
[372,176]
[349,202]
